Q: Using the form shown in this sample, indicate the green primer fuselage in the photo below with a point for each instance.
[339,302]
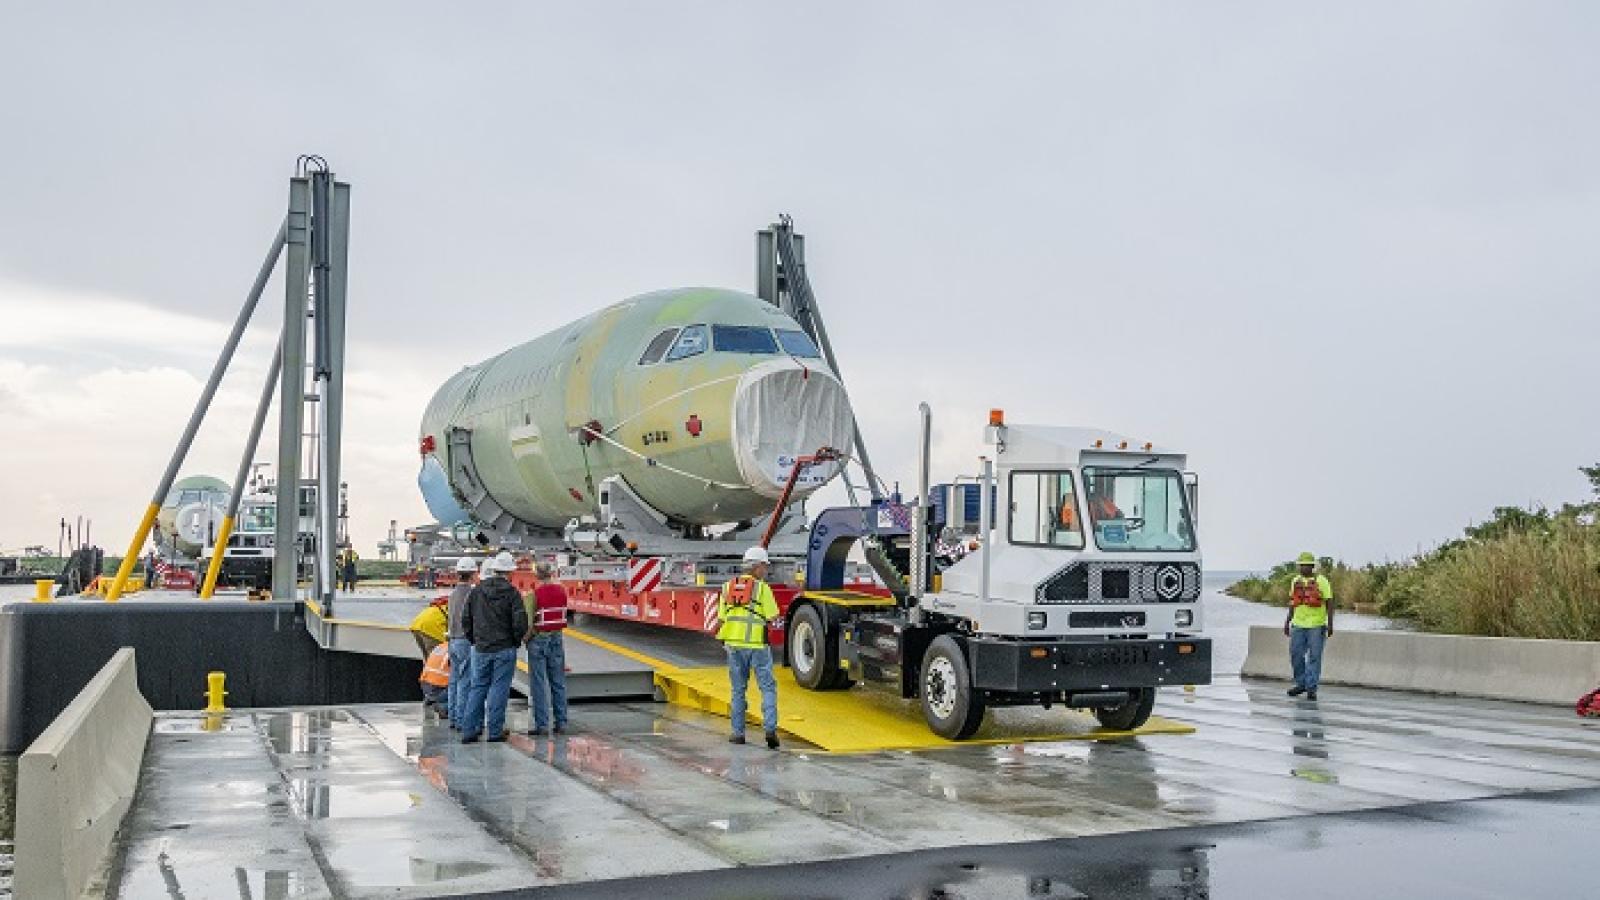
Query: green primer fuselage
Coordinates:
[668,426]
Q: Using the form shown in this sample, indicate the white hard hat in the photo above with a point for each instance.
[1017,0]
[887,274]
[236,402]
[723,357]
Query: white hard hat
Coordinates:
[487,569]
[465,564]
[503,562]
[756,555]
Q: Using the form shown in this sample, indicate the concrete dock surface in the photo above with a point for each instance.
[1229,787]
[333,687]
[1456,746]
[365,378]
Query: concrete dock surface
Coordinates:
[381,800]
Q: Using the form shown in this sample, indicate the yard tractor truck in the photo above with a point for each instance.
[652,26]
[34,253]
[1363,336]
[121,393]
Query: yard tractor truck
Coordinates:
[1066,573]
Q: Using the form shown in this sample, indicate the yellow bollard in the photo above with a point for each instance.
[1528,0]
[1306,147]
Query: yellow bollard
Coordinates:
[214,692]
[42,587]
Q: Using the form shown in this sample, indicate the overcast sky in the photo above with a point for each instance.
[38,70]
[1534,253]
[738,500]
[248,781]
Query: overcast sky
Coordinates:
[1344,254]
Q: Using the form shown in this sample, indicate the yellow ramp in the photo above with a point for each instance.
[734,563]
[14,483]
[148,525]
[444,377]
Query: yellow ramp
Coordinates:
[862,721]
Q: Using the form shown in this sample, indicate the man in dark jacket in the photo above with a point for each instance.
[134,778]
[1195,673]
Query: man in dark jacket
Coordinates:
[494,621]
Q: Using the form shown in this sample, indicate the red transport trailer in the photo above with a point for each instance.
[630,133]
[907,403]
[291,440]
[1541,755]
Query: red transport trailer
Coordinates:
[668,592]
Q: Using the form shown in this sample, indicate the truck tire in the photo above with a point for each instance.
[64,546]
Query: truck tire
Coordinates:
[953,709]
[1131,714]
[814,651]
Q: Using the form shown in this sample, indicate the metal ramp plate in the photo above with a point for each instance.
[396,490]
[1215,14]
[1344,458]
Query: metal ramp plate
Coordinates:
[378,626]
[862,720]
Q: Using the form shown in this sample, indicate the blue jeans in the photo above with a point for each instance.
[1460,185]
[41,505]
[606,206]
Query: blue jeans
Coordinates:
[1305,655]
[460,678]
[490,689]
[740,663]
[547,671]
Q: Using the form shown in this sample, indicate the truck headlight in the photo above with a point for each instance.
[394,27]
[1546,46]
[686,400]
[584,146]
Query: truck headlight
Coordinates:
[1036,621]
[1183,618]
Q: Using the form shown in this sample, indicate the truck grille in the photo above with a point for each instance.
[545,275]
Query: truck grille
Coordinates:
[1115,582]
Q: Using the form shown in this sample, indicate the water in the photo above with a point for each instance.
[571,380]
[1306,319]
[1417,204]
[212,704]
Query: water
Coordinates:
[1228,619]
[10,593]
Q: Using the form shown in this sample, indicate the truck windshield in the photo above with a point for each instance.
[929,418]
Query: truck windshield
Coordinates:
[261,517]
[1138,510]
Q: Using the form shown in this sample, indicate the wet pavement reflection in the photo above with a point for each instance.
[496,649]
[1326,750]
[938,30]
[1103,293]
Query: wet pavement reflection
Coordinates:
[382,800]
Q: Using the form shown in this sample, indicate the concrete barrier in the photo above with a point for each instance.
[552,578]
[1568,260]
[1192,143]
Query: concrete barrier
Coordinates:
[1497,668]
[75,783]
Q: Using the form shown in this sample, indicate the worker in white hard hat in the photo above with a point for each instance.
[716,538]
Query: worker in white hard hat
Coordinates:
[745,609]
[494,621]
[460,648]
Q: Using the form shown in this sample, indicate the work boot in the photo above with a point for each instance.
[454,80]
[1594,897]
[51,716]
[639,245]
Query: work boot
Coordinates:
[1311,695]
[772,740]
[471,738]
[1297,690]
[735,738]
[559,729]
[537,731]
[497,738]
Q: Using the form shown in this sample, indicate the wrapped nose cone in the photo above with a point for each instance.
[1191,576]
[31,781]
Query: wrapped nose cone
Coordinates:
[783,410]
[197,524]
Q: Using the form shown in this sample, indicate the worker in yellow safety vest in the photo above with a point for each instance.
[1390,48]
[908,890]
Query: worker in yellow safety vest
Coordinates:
[1309,625]
[744,609]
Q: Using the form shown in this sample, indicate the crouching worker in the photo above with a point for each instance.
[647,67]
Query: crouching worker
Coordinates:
[745,608]
[435,681]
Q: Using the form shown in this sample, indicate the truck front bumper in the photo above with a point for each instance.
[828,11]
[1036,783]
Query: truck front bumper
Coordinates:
[1052,667]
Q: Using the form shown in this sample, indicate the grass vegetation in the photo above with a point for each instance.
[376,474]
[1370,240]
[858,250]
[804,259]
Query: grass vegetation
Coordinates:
[1524,573]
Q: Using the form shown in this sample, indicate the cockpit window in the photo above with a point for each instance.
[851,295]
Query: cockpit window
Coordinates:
[691,342]
[798,343]
[743,339]
[658,346]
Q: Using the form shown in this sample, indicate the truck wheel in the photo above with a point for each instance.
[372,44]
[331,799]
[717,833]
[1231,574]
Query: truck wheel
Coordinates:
[813,652]
[953,709]
[1132,713]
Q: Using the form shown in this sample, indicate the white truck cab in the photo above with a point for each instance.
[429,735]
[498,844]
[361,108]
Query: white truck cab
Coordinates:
[1094,536]
[1083,588]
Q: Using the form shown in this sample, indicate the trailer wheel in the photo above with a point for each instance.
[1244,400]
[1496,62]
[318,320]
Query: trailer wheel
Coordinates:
[814,651]
[953,709]
[1131,713]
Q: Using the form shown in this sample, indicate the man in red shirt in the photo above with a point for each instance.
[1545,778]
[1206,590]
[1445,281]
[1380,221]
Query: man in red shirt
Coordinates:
[547,661]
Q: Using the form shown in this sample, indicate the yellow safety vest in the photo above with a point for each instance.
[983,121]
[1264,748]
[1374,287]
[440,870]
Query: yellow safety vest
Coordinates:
[745,608]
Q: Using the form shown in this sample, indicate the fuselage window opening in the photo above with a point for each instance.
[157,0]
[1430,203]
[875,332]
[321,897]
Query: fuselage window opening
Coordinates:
[691,342]
[743,339]
[658,347]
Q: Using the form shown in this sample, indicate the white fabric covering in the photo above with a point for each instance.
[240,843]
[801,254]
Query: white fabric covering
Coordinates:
[783,410]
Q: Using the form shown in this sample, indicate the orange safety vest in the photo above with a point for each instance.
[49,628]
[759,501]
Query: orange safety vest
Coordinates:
[1102,508]
[1305,593]
[741,591]
[436,671]
[1069,515]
